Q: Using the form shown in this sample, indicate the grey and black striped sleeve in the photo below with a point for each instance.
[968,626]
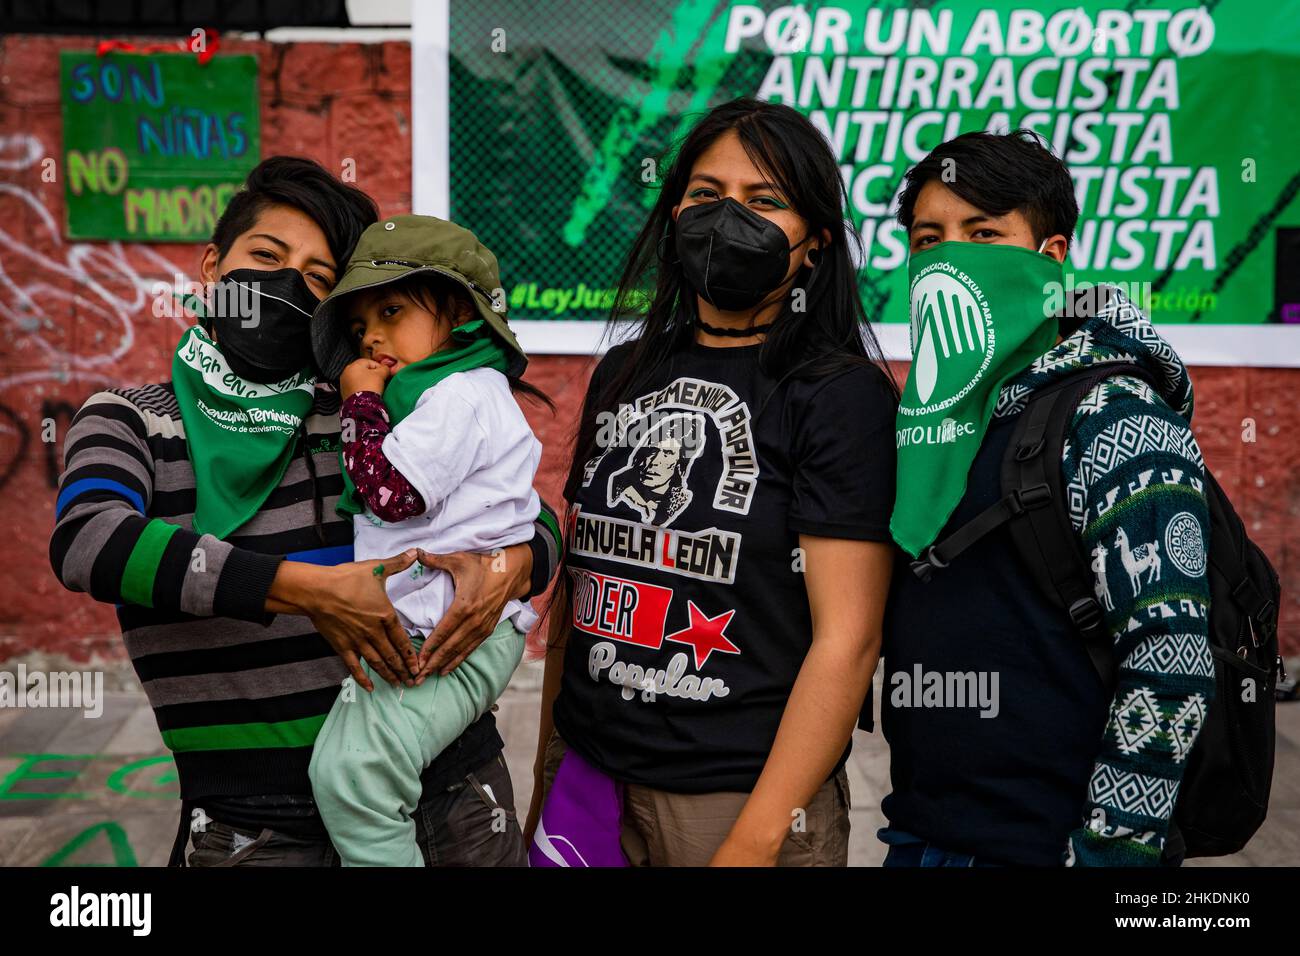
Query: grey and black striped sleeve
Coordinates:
[547,546]
[105,543]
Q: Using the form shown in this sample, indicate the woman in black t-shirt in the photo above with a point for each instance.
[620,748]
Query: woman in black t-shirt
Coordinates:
[728,549]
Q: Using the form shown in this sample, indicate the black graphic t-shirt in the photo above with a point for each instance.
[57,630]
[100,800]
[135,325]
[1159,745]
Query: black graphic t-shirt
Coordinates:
[690,614]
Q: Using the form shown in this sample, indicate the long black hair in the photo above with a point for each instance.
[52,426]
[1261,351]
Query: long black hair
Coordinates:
[830,332]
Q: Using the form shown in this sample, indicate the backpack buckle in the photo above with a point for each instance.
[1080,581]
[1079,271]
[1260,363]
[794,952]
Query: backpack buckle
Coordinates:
[924,566]
[1086,614]
[1033,497]
[1026,452]
[1255,604]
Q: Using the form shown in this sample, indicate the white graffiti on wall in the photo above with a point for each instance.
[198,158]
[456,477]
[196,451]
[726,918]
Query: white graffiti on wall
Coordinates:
[72,309]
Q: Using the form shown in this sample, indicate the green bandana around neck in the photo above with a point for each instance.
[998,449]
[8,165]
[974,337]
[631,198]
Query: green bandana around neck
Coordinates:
[977,319]
[240,434]
[479,349]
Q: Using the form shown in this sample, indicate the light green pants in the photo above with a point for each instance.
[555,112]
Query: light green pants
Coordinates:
[366,765]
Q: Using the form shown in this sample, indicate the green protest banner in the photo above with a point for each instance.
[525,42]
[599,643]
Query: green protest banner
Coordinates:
[155,144]
[1175,117]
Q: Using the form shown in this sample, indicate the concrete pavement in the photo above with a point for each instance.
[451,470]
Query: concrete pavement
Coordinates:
[102,791]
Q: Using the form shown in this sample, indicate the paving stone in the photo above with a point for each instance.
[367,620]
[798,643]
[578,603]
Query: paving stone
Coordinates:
[93,839]
[13,832]
[138,733]
[85,734]
[34,729]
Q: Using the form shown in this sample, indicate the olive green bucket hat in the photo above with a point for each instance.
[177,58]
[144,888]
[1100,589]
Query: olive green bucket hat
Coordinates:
[402,246]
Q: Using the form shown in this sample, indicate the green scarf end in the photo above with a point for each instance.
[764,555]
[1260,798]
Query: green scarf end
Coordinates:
[240,435]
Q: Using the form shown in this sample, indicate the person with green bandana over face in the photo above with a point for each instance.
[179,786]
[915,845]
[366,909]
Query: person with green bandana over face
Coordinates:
[1035,762]
[204,508]
[436,455]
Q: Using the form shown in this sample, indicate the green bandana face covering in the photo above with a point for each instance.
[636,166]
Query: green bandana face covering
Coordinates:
[240,434]
[977,319]
[478,348]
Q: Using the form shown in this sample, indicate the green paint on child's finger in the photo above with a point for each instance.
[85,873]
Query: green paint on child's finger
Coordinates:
[378,571]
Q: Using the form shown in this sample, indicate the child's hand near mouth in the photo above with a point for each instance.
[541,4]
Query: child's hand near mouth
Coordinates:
[364,375]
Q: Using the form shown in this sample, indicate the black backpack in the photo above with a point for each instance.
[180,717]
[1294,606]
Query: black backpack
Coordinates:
[1223,798]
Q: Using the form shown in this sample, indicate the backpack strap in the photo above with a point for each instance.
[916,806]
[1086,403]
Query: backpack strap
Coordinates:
[1046,539]
[1034,507]
[1009,506]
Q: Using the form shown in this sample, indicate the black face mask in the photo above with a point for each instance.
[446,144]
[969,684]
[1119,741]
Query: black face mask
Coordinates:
[731,255]
[261,319]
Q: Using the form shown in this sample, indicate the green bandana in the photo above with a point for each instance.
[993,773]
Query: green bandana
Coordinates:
[240,434]
[480,349]
[977,319]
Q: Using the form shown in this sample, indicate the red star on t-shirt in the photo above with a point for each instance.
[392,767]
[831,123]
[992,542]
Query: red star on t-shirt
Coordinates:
[705,634]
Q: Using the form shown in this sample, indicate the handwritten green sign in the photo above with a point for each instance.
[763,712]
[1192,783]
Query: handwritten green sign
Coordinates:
[155,144]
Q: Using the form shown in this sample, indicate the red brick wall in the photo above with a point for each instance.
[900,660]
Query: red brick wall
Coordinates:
[87,321]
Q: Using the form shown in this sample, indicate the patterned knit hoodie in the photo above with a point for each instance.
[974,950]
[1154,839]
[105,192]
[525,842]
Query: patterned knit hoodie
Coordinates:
[1135,482]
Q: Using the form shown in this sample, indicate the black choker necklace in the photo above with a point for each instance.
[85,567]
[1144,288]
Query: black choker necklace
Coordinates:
[733,333]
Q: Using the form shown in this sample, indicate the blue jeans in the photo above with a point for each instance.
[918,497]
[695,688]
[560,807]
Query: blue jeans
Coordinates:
[906,849]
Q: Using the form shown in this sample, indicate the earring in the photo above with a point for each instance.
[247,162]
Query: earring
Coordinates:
[659,248]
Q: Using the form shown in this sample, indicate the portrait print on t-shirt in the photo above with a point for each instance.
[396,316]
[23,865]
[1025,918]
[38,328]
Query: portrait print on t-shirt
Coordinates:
[654,481]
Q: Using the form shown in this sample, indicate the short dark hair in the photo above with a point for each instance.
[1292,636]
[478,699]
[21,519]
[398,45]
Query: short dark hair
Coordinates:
[343,212]
[1000,173]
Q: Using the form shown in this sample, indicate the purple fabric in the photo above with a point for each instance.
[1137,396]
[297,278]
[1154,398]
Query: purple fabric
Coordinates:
[580,820]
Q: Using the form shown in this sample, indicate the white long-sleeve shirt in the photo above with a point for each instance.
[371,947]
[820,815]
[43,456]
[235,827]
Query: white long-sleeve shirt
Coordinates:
[468,450]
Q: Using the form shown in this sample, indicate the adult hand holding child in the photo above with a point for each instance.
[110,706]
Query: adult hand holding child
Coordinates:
[348,605]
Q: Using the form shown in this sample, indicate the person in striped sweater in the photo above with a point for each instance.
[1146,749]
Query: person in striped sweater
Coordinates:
[240,605]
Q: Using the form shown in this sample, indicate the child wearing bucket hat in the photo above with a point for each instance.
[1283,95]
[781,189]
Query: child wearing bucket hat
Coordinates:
[436,455]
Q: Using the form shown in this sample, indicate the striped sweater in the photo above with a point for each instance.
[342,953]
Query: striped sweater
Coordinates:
[239,694]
